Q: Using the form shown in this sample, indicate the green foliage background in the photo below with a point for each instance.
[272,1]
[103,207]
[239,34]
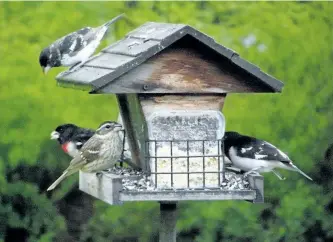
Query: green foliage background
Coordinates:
[293,42]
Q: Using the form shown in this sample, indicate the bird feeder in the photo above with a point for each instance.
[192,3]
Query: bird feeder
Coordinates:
[171,82]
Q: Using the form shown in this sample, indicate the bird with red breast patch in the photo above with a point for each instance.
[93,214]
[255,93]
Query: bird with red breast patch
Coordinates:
[99,153]
[71,137]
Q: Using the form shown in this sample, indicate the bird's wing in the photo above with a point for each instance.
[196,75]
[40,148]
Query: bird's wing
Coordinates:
[82,137]
[75,41]
[262,150]
[89,151]
[99,32]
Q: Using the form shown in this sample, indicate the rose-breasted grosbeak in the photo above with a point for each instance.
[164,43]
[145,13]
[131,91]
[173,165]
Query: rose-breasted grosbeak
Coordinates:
[71,137]
[75,48]
[255,156]
[100,152]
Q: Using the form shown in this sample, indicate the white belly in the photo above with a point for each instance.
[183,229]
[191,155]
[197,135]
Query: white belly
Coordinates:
[71,149]
[81,56]
[247,164]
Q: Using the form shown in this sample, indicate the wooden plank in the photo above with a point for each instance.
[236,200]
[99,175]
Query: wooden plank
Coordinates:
[108,188]
[186,195]
[183,70]
[108,61]
[155,31]
[151,103]
[103,186]
[257,183]
[168,222]
[131,47]
[135,126]
[83,76]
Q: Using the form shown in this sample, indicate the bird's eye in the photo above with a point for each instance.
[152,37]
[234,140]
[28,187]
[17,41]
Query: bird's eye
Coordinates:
[108,126]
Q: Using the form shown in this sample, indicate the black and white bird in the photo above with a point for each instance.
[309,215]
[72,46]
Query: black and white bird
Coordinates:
[75,48]
[253,155]
[71,137]
[100,152]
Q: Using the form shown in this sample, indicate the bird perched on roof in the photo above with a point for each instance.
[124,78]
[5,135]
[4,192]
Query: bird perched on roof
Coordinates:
[75,48]
[100,152]
[255,156]
[71,137]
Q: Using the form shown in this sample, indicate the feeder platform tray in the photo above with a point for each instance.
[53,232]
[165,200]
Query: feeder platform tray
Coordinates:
[116,187]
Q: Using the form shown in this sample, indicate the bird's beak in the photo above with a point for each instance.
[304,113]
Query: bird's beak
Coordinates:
[55,135]
[46,69]
[118,127]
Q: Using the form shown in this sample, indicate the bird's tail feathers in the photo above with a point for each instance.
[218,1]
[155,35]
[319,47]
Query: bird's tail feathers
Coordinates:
[295,168]
[107,24]
[65,174]
[54,184]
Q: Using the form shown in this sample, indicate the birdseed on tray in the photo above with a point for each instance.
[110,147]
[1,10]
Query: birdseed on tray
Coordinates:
[137,181]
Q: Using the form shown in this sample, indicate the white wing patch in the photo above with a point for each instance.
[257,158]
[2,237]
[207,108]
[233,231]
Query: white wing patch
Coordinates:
[93,151]
[243,150]
[73,45]
[259,157]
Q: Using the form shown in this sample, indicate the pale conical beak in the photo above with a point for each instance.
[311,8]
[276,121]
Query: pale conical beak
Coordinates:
[118,127]
[46,69]
[55,135]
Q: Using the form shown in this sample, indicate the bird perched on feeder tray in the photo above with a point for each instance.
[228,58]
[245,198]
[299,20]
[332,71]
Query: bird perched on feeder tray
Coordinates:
[255,156]
[75,48]
[71,137]
[100,152]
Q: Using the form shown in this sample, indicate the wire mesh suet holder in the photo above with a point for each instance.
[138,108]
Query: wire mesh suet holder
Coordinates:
[186,164]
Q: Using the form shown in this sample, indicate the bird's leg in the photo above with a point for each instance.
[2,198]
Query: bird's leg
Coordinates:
[252,171]
[76,66]
[99,174]
[278,175]
[233,169]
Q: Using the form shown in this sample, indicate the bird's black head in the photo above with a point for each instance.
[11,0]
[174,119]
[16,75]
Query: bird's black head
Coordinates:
[232,135]
[48,58]
[44,58]
[230,138]
[64,133]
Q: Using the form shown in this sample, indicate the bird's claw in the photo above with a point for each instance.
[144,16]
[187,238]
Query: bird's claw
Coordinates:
[76,66]
[99,174]
[246,174]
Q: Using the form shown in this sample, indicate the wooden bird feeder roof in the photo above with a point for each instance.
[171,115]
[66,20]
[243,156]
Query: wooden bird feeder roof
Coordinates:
[168,58]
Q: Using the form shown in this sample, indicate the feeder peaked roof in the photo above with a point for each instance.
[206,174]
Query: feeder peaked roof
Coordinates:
[146,42]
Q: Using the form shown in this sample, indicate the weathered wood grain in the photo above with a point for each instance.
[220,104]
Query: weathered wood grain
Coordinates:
[194,195]
[104,186]
[135,126]
[151,103]
[257,183]
[184,70]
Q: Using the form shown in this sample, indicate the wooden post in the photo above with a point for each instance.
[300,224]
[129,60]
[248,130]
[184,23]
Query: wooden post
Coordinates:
[168,220]
[257,183]
[135,126]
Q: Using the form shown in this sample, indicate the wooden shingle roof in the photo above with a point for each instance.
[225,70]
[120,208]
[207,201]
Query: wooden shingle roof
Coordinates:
[145,42]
